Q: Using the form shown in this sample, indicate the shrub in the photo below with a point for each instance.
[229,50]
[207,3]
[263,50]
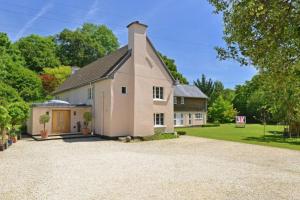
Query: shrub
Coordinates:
[18,112]
[87,116]
[4,120]
[211,125]
[181,132]
[44,119]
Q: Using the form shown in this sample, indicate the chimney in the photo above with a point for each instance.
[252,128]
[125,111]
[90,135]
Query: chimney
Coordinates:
[137,38]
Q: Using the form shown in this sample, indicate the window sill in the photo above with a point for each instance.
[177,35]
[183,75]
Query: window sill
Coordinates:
[179,125]
[198,119]
[159,126]
[159,100]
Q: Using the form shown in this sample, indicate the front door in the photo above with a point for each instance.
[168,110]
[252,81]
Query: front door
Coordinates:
[60,121]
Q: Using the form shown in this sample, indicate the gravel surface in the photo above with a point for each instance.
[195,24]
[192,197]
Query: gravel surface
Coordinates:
[185,168]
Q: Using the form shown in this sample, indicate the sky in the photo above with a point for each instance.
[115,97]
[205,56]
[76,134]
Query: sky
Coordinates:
[186,31]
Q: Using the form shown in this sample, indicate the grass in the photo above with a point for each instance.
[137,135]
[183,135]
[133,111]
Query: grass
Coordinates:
[160,136]
[252,134]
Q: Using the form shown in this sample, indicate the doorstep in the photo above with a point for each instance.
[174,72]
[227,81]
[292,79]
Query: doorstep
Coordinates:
[63,136]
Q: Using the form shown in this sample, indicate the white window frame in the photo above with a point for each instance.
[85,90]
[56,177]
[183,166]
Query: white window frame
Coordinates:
[190,118]
[198,116]
[90,93]
[181,100]
[125,89]
[158,93]
[175,100]
[159,119]
[178,119]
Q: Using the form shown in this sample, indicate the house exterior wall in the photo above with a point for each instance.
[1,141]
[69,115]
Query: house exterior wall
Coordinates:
[194,121]
[34,127]
[76,96]
[191,106]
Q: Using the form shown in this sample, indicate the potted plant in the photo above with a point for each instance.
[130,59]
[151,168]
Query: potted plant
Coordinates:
[13,135]
[87,116]
[44,119]
[4,121]
[18,112]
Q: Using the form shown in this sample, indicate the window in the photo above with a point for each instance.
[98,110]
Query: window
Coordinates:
[181,100]
[175,100]
[90,93]
[178,119]
[190,118]
[158,93]
[124,90]
[158,119]
[198,116]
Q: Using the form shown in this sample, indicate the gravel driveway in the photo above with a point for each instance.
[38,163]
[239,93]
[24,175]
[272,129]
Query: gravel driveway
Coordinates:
[185,168]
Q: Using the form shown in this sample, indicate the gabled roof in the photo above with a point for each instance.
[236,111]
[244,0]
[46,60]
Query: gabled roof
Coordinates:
[97,70]
[188,91]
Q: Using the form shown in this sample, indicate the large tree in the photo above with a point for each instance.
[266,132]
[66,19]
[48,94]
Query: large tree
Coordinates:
[38,52]
[85,44]
[12,72]
[205,85]
[266,34]
[170,63]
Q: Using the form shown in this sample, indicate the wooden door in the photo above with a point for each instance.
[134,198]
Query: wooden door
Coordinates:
[60,121]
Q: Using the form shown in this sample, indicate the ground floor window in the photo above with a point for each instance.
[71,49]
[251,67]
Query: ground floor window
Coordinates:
[198,116]
[178,119]
[158,119]
[190,118]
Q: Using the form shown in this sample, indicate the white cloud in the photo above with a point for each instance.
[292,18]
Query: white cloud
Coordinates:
[93,9]
[43,11]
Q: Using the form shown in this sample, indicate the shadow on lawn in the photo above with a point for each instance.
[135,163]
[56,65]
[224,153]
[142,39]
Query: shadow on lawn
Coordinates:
[276,137]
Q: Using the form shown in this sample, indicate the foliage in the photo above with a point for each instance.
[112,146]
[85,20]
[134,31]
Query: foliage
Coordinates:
[44,119]
[38,52]
[170,63]
[8,95]
[85,44]
[221,111]
[26,82]
[4,120]
[87,116]
[14,74]
[160,136]
[18,112]
[49,83]
[266,34]
[251,134]
[207,86]
[60,73]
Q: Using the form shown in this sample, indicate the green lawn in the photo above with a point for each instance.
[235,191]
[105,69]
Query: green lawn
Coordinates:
[252,134]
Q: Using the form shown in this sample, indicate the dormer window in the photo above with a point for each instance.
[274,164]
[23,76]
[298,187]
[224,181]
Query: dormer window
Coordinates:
[158,93]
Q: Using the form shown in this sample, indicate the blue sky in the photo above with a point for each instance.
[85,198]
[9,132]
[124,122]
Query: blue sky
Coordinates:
[186,31]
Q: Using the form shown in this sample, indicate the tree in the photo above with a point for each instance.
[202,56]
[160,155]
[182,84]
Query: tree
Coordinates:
[8,95]
[170,63]
[266,34]
[14,74]
[18,112]
[60,73]
[49,82]
[85,44]
[221,111]
[38,52]
[205,85]
[4,121]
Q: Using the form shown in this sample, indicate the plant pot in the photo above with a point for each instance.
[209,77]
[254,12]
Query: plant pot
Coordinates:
[14,139]
[85,131]
[44,134]
[19,137]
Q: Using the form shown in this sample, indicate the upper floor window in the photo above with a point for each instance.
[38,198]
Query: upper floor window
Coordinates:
[198,116]
[175,100]
[158,119]
[90,93]
[181,100]
[124,90]
[158,92]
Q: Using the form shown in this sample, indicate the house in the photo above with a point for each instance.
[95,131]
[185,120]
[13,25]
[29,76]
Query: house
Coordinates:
[128,92]
[190,106]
